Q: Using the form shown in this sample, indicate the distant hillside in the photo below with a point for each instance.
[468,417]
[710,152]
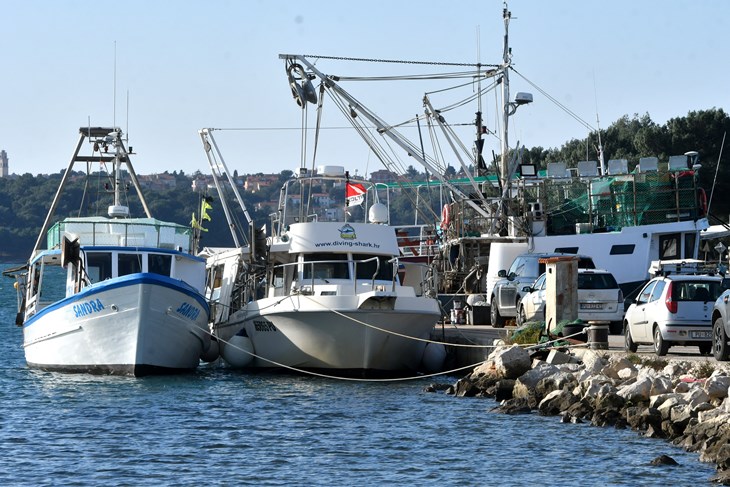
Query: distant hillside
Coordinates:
[24,200]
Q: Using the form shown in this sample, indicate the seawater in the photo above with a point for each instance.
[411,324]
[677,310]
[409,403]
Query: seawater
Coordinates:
[222,427]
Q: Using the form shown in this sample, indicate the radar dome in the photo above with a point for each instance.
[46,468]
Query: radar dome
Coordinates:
[378,213]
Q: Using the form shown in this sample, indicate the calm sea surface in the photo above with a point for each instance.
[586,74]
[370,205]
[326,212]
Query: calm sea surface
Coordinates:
[219,427]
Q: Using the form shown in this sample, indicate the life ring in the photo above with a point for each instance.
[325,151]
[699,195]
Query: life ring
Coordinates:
[703,202]
[445,216]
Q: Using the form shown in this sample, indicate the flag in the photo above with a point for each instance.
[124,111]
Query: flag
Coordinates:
[354,193]
[194,223]
[204,207]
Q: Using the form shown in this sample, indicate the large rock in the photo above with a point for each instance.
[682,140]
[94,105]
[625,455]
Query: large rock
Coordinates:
[717,386]
[526,383]
[512,362]
[673,401]
[661,385]
[515,406]
[556,402]
[592,360]
[558,381]
[617,364]
[696,396]
[637,392]
[595,387]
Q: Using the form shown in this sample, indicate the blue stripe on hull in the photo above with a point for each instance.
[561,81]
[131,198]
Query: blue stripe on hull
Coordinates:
[130,280]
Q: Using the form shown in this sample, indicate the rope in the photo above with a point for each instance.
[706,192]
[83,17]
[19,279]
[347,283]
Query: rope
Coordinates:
[390,332]
[350,379]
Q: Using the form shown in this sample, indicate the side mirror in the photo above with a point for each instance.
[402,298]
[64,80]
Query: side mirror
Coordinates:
[527,289]
[502,273]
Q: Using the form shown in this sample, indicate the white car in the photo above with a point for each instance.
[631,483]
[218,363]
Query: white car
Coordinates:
[673,310]
[599,299]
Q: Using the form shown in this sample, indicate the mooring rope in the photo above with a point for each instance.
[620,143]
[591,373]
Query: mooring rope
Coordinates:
[352,379]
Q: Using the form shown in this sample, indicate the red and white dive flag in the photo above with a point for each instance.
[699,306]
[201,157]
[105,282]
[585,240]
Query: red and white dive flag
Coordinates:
[354,193]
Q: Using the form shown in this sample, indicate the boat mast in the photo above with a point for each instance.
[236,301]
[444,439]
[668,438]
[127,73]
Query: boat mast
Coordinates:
[117,210]
[506,60]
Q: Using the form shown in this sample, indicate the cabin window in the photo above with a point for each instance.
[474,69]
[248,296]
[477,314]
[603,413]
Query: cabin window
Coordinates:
[159,264]
[326,266]
[129,264]
[278,280]
[622,249]
[567,250]
[366,270]
[98,266]
[669,246]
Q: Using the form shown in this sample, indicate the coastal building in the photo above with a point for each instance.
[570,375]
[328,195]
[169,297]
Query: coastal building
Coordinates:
[4,170]
[257,182]
[383,176]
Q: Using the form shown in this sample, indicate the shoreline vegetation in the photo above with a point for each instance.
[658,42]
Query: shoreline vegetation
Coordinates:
[24,199]
[683,402]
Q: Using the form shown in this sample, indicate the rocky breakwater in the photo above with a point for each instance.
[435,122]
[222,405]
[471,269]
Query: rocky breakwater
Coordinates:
[684,402]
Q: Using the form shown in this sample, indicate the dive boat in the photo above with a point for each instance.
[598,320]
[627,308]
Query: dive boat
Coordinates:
[112,294]
[622,215]
[322,292]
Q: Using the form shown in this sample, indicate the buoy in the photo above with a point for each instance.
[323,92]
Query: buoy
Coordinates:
[237,351]
[213,352]
[434,356]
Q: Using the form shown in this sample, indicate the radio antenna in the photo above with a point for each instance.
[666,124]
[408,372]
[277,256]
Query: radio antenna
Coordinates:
[114,103]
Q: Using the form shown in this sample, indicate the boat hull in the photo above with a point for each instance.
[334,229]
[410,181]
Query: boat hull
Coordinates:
[340,333]
[135,325]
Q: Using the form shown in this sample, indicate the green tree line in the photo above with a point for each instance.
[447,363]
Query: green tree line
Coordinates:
[24,201]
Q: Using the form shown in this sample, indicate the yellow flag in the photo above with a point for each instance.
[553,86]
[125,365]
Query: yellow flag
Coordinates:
[204,207]
[194,223]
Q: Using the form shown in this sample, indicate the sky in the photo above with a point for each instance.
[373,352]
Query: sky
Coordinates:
[185,65]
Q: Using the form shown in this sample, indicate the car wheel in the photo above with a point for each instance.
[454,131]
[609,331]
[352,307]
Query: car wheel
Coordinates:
[661,347]
[497,320]
[720,348]
[629,344]
[705,348]
[521,318]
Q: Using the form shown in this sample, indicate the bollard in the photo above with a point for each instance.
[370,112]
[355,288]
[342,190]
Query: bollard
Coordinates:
[598,337]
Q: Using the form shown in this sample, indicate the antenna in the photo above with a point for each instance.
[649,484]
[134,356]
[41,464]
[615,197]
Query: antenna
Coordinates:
[601,160]
[114,103]
[126,129]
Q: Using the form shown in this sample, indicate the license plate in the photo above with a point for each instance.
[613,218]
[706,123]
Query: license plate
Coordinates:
[700,334]
[591,306]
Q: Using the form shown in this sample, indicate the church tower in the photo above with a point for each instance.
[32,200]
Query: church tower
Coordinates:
[3,164]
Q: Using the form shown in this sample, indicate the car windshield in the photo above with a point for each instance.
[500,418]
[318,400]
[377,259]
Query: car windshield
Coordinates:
[696,290]
[596,281]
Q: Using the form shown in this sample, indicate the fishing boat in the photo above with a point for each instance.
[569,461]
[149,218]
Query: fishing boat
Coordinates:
[112,294]
[624,214]
[322,291]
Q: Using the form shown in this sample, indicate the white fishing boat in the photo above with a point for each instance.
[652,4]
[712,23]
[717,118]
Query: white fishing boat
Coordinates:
[112,295]
[322,292]
[624,214]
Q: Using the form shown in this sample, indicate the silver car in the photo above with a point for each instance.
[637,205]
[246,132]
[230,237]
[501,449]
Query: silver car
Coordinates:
[599,299]
[673,310]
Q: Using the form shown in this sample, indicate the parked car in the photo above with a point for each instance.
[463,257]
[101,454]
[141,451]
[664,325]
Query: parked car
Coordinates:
[508,291]
[676,309]
[721,327]
[599,299]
